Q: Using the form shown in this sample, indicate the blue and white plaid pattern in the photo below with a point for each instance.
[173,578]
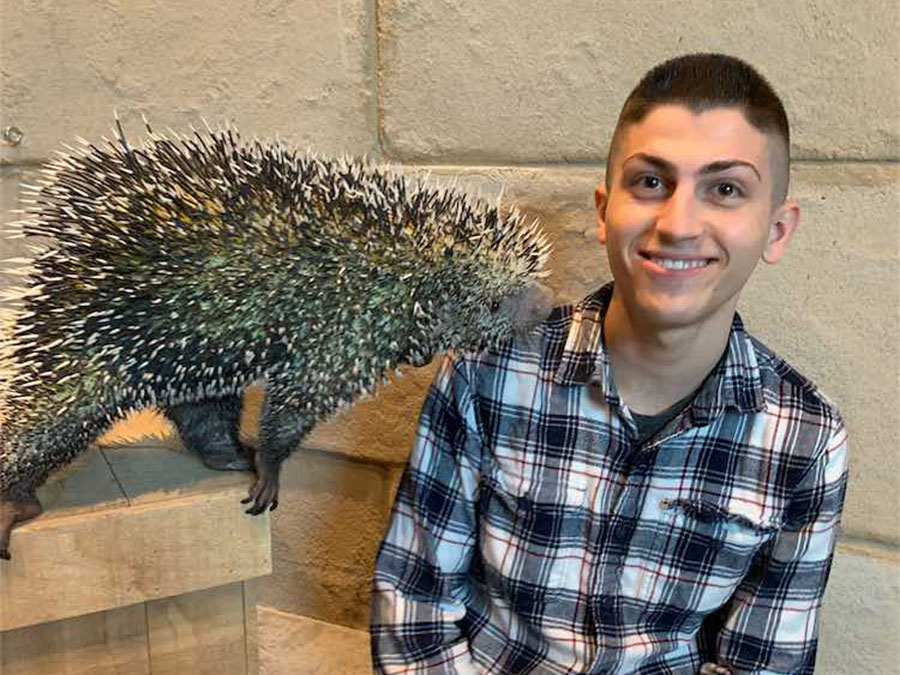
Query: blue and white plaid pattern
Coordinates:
[529,535]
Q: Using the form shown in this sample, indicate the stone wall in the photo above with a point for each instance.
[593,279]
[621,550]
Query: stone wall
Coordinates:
[522,95]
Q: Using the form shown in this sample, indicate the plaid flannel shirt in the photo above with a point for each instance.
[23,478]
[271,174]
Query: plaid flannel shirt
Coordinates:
[530,535]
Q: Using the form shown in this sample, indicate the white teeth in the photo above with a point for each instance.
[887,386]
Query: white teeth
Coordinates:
[671,264]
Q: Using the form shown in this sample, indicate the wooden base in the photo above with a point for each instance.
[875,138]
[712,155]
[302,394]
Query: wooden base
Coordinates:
[136,566]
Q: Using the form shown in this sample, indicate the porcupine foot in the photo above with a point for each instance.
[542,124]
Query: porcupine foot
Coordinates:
[280,431]
[210,429]
[264,493]
[14,511]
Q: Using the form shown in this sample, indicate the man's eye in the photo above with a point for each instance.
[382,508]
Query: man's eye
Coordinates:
[727,190]
[648,183]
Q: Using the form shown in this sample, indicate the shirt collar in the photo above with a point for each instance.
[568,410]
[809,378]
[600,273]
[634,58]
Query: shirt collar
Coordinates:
[734,382]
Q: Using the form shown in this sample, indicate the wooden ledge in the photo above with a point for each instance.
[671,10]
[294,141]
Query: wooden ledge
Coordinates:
[126,525]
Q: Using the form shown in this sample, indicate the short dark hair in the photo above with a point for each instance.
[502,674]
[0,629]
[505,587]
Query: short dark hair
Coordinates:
[701,82]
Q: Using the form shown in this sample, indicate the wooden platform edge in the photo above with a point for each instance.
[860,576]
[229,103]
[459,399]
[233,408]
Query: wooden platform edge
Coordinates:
[90,562]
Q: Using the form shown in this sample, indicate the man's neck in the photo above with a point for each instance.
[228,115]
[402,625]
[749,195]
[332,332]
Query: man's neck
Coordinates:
[655,367]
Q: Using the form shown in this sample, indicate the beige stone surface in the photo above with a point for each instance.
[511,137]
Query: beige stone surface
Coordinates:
[330,519]
[103,643]
[85,485]
[526,81]
[396,477]
[142,425]
[297,68]
[11,179]
[251,626]
[861,616]
[201,633]
[298,645]
[381,427]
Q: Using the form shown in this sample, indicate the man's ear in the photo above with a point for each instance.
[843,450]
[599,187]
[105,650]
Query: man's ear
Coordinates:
[601,199]
[781,228]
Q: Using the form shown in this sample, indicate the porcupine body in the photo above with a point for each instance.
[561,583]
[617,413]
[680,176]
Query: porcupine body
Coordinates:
[181,271]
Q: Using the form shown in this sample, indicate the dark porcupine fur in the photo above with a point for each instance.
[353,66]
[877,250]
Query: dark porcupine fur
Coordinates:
[181,271]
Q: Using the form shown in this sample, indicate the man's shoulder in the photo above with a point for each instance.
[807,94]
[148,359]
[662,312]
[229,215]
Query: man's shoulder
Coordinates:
[569,333]
[786,388]
[544,344]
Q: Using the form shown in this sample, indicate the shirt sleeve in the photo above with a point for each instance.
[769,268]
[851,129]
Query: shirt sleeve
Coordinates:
[422,567]
[771,624]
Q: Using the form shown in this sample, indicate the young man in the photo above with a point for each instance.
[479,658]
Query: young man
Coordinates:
[640,486]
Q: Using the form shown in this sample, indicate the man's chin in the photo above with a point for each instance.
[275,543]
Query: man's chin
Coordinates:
[684,312]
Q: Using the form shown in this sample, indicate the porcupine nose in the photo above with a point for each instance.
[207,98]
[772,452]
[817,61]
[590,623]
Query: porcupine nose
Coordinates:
[532,305]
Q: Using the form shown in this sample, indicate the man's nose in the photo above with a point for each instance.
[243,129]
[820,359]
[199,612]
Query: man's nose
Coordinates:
[680,216]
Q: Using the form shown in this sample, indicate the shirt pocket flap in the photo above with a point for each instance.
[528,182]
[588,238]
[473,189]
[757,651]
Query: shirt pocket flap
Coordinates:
[735,513]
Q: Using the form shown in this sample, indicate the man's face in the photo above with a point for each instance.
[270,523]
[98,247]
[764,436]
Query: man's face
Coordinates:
[689,213]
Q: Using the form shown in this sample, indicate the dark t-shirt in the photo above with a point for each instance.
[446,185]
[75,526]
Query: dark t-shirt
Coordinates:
[648,425]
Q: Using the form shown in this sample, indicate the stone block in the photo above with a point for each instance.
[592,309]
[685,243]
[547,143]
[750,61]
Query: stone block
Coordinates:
[860,620]
[201,633]
[504,82]
[300,69]
[331,517]
[299,645]
[10,182]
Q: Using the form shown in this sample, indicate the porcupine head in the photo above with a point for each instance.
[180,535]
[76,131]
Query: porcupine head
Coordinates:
[481,285]
[195,265]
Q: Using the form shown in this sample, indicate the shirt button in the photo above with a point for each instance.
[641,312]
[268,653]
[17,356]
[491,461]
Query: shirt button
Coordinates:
[622,531]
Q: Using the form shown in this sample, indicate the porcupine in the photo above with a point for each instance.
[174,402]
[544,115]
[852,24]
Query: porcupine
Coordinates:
[182,270]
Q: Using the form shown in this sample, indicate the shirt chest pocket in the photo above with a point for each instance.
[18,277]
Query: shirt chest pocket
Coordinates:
[700,552]
[533,535]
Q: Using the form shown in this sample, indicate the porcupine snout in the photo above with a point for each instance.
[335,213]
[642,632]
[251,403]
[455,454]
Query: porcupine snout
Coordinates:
[529,307]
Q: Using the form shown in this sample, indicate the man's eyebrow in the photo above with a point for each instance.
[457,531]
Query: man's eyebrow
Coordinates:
[712,167]
[725,164]
[652,159]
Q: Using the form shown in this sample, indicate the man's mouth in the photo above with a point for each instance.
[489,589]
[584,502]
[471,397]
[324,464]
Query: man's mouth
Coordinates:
[677,263]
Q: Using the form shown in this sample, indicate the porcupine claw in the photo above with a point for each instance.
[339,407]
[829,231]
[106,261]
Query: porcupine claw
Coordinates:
[12,512]
[264,493]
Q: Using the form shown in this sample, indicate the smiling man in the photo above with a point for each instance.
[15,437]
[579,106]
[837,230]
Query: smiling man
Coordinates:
[640,487]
